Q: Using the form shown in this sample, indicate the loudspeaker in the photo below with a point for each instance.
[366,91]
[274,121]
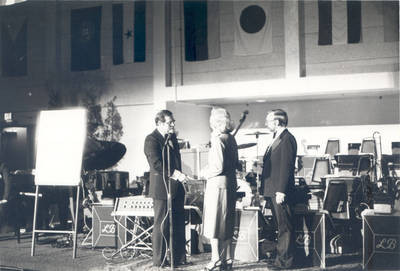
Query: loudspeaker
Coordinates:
[381,242]
[310,239]
[246,235]
[105,231]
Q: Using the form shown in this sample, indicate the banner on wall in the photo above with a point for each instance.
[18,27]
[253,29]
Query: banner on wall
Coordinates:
[201,30]
[253,27]
[14,46]
[85,38]
[339,22]
[129,32]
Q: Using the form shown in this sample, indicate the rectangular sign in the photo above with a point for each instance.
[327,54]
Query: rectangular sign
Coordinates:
[60,139]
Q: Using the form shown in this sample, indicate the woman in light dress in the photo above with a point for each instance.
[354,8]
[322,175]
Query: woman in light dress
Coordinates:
[220,194]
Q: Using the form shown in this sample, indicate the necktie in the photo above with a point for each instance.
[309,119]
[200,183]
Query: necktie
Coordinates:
[168,137]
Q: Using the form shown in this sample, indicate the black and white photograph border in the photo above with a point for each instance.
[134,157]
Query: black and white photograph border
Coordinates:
[331,65]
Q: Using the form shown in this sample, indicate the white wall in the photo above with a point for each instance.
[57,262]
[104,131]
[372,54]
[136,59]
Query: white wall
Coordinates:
[314,122]
[133,84]
[138,121]
[366,110]
[49,56]
[21,93]
[371,55]
[192,122]
[229,67]
[319,136]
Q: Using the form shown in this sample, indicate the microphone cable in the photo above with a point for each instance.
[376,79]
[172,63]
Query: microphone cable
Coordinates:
[168,192]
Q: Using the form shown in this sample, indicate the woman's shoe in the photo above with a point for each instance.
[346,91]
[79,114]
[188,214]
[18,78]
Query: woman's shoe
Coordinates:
[217,266]
[227,264]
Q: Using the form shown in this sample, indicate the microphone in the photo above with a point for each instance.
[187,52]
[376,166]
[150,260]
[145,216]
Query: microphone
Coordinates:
[244,114]
[242,118]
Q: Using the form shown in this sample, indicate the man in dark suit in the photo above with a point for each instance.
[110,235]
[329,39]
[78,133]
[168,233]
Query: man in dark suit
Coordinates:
[161,148]
[277,183]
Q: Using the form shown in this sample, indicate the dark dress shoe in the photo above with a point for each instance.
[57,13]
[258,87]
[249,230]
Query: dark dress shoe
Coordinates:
[166,264]
[184,263]
[276,267]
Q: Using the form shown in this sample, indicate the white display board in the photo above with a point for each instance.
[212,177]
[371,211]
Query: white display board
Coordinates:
[61,136]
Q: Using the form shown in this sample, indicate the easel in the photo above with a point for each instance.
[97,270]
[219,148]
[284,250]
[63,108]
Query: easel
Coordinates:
[73,231]
[61,133]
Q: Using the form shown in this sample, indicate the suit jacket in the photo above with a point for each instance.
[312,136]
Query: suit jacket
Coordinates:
[222,162]
[279,165]
[153,149]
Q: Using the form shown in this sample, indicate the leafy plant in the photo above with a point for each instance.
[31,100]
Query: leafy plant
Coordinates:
[111,129]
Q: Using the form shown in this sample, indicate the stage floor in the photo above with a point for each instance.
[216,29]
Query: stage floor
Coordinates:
[49,258]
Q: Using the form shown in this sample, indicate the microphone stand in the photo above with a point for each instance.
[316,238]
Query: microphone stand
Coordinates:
[169,203]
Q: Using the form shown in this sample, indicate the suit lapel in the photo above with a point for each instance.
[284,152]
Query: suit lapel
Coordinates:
[159,136]
[275,144]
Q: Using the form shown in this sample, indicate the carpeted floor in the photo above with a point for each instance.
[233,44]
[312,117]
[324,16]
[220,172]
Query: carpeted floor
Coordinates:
[48,257]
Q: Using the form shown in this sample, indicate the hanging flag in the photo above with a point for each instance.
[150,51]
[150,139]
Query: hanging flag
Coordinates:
[339,22]
[253,29]
[129,32]
[14,46]
[85,38]
[391,21]
[139,31]
[201,23]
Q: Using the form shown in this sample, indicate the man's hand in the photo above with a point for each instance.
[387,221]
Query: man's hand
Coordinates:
[280,197]
[179,176]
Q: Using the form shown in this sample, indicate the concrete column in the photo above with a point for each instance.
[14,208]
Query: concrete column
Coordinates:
[161,94]
[292,42]
[52,45]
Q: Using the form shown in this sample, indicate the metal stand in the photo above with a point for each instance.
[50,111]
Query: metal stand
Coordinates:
[257,134]
[169,201]
[257,163]
[88,239]
[74,217]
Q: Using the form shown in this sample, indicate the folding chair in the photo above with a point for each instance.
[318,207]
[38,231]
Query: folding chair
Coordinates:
[368,145]
[332,147]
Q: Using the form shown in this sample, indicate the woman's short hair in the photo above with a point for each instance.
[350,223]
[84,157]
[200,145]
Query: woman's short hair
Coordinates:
[220,120]
[281,116]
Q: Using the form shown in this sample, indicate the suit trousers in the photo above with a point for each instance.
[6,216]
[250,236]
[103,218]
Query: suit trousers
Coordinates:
[286,235]
[160,236]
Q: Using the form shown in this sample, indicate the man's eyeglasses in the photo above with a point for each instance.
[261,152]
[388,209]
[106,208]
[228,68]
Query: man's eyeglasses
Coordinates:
[170,122]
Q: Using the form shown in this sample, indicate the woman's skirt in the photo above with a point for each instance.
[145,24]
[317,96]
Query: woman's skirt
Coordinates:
[219,211]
